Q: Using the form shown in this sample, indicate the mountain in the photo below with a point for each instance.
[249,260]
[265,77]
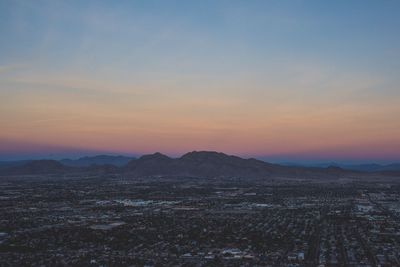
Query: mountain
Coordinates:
[154,164]
[97,160]
[213,164]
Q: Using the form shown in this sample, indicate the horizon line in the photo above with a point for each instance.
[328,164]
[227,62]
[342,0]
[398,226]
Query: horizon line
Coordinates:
[280,159]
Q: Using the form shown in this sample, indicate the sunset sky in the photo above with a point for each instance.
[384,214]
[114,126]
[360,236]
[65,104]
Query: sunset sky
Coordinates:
[280,80]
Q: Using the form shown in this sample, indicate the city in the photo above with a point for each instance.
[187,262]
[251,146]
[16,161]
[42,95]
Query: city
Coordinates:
[178,221]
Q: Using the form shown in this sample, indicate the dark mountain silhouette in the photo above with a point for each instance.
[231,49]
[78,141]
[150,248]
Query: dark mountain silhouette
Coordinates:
[202,164]
[97,160]
[154,164]
[370,167]
[214,164]
[373,167]
[37,167]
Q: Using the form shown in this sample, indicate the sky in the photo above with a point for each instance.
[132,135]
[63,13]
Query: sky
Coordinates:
[279,80]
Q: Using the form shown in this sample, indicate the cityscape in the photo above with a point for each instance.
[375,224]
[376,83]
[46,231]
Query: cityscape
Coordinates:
[112,220]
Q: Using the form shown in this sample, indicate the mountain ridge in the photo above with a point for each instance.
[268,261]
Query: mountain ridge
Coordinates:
[366,167]
[207,164]
[97,160]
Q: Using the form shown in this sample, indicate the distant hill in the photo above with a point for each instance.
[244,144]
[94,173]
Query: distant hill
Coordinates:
[38,167]
[117,161]
[374,167]
[214,164]
[97,160]
[371,167]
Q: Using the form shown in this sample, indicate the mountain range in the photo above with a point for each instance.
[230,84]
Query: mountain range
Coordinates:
[117,161]
[213,164]
[206,164]
[369,167]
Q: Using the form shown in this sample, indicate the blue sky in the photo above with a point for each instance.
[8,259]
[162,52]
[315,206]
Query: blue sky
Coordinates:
[285,79]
